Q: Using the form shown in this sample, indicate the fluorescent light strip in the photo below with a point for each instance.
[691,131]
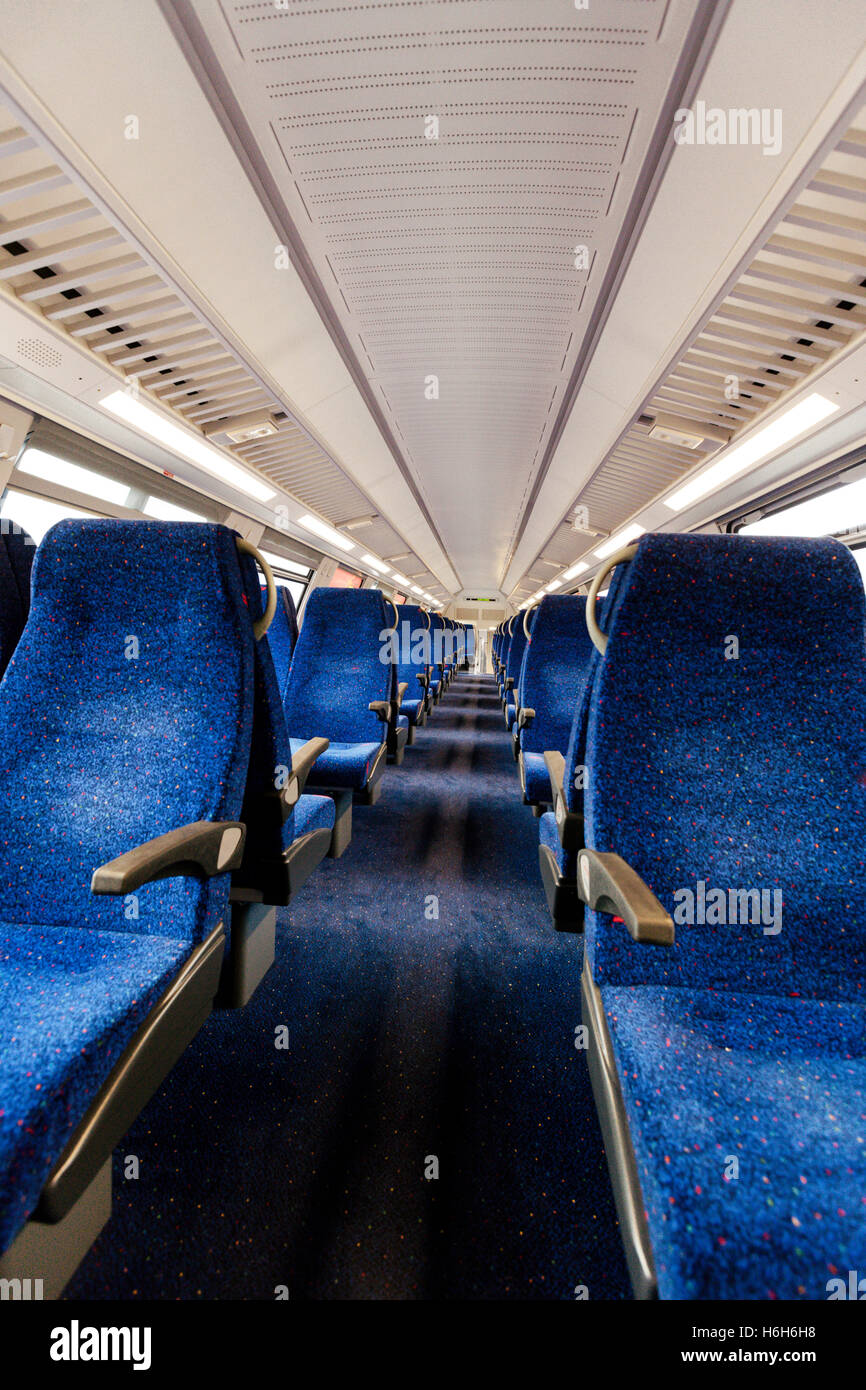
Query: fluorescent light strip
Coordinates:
[401,579]
[554,584]
[787,426]
[623,537]
[579,568]
[374,564]
[318,527]
[146,420]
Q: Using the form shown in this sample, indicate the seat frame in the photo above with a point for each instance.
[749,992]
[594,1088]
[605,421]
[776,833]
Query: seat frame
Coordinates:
[75,1202]
[618,1148]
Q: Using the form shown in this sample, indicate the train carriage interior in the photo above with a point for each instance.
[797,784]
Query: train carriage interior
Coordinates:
[432,744]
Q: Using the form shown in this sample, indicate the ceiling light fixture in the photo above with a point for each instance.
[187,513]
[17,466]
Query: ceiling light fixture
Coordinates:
[580,568]
[146,420]
[374,564]
[624,537]
[323,529]
[797,420]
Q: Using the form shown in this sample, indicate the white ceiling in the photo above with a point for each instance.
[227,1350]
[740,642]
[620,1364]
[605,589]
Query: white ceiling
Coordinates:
[454,257]
[262,124]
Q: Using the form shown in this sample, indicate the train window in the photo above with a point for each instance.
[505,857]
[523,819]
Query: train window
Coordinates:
[289,574]
[837,512]
[36,515]
[295,588]
[51,469]
[168,511]
[345,579]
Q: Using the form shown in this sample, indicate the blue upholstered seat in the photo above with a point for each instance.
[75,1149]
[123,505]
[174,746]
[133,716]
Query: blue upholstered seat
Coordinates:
[504,650]
[414,651]
[313,813]
[737,767]
[343,764]
[272,830]
[536,782]
[574,780]
[337,672]
[125,714]
[777,1083]
[16,559]
[71,999]
[556,664]
[282,636]
[439,638]
[516,648]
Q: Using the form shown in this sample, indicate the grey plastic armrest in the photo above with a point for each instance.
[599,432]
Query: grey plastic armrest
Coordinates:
[569,824]
[381,709]
[302,766]
[199,850]
[525,716]
[509,682]
[401,691]
[423,678]
[609,884]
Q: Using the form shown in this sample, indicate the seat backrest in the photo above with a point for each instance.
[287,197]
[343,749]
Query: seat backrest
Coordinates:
[16,561]
[506,642]
[439,636]
[555,667]
[282,635]
[516,648]
[448,642]
[341,663]
[726,755]
[413,647]
[270,754]
[125,712]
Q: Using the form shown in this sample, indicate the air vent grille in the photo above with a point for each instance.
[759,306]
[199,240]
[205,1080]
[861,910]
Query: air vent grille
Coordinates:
[799,301]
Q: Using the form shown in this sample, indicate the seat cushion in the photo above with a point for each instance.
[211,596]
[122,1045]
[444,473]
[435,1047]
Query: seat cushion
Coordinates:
[779,1084]
[549,835]
[71,1000]
[402,721]
[536,778]
[342,764]
[510,713]
[313,813]
[412,709]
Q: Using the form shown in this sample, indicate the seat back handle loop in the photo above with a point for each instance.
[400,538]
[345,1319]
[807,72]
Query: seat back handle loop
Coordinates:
[526,613]
[261,626]
[620,557]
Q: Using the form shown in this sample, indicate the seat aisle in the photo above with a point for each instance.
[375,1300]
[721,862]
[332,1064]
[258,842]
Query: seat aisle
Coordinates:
[431,1013]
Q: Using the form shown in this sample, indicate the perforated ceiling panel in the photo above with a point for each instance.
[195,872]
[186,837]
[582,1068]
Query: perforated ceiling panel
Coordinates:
[458,173]
[64,258]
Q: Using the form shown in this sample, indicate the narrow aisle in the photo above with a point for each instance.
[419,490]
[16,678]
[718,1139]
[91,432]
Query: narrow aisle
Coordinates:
[430,1010]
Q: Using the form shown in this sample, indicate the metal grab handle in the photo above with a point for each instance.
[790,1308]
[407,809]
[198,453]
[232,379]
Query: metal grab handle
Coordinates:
[599,638]
[261,626]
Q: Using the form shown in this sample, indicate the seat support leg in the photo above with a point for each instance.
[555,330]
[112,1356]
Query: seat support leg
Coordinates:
[341,837]
[251,952]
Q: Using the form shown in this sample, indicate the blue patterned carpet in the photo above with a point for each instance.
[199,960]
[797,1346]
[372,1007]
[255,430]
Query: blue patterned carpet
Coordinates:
[415,1042]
